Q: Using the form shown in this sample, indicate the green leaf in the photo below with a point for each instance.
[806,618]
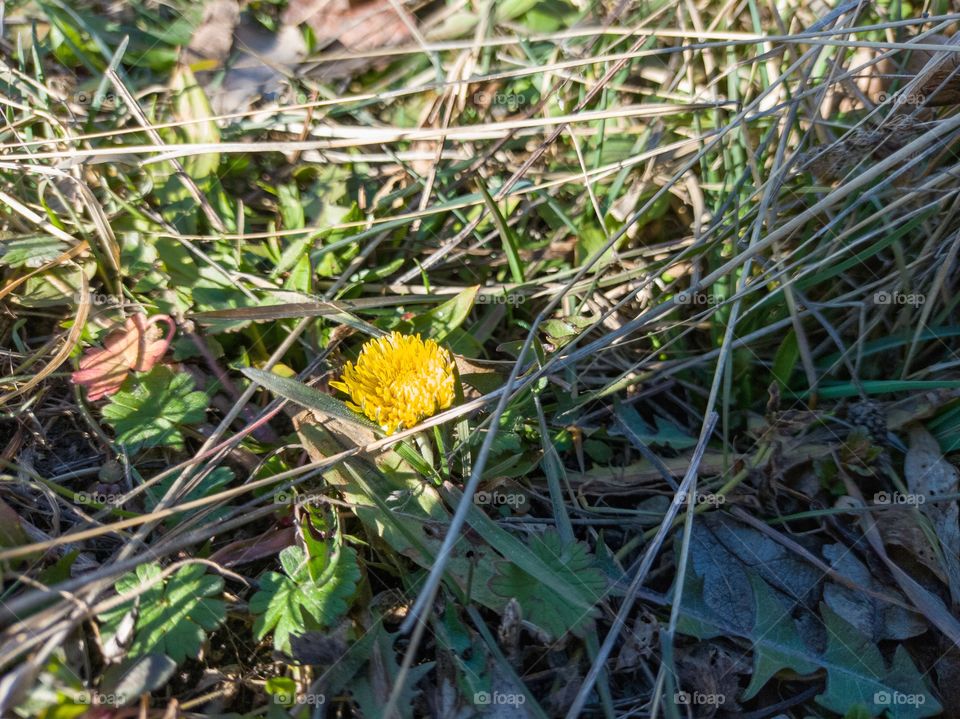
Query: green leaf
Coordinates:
[191,107]
[506,236]
[856,674]
[786,359]
[443,319]
[639,432]
[308,397]
[137,676]
[779,628]
[397,506]
[149,410]
[174,614]
[212,482]
[556,612]
[30,251]
[293,602]
[282,689]
[465,650]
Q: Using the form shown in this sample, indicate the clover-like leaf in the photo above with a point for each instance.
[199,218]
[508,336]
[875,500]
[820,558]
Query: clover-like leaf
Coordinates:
[301,599]
[150,412]
[173,615]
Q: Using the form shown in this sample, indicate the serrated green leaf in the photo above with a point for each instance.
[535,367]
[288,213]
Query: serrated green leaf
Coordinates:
[556,612]
[174,614]
[291,603]
[149,410]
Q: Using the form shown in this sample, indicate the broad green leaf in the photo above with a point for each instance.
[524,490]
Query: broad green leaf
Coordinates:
[556,612]
[443,319]
[778,627]
[151,408]
[30,251]
[857,676]
[174,614]
[289,604]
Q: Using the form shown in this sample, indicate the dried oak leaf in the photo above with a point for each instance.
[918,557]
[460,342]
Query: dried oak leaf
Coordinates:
[358,26]
[136,347]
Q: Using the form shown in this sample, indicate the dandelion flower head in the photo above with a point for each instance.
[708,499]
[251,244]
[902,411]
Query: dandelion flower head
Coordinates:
[399,380]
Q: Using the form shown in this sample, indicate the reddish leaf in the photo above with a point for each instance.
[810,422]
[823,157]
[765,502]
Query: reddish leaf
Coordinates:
[138,346]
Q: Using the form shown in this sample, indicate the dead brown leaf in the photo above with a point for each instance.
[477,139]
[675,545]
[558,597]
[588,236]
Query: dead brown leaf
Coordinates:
[213,38]
[358,26]
[929,475]
[939,72]
[860,149]
[714,672]
[900,529]
[268,544]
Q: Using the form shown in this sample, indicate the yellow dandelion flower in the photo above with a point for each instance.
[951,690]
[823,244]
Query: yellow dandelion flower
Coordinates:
[399,380]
